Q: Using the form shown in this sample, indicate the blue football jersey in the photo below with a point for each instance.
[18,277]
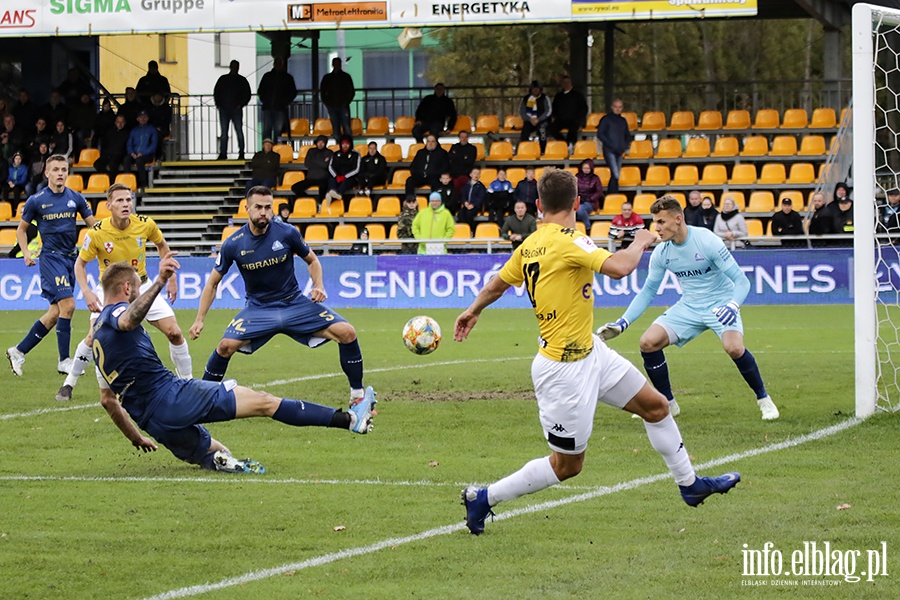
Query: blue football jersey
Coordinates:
[266,262]
[56,215]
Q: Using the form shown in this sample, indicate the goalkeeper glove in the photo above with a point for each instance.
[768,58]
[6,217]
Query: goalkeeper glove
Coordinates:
[727,314]
[611,330]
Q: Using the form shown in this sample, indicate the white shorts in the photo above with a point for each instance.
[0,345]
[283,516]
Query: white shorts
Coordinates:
[160,309]
[567,393]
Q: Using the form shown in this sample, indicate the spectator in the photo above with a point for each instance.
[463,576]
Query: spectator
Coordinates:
[708,214]
[284,213]
[74,87]
[361,247]
[613,133]
[265,167]
[626,225]
[113,149]
[427,166]
[14,188]
[405,224]
[55,110]
[518,225]
[316,162]
[337,94]
[343,170]
[276,93]
[499,197]
[141,148]
[16,141]
[841,190]
[471,199]
[730,224]
[160,112]
[82,119]
[889,216]
[232,94]
[787,222]
[25,111]
[535,111]
[153,82]
[448,193]
[41,134]
[526,191]
[372,170]
[61,141]
[130,108]
[693,214]
[6,152]
[436,114]
[36,178]
[822,220]
[843,218]
[590,191]
[462,157]
[104,121]
[570,112]
[433,222]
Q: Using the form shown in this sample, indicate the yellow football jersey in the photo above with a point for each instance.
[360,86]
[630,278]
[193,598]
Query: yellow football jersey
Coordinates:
[557,266]
[109,245]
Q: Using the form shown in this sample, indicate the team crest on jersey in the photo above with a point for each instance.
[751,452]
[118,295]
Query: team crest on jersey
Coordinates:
[70,204]
[277,246]
[108,246]
[140,241]
[698,257]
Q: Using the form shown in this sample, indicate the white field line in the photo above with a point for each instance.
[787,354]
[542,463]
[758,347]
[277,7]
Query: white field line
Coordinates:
[258,575]
[44,411]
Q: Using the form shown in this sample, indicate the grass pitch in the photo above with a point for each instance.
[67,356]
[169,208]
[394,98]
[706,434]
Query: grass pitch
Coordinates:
[86,516]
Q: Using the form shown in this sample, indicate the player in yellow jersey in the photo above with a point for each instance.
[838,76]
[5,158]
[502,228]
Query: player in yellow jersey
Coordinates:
[123,237]
[573,368]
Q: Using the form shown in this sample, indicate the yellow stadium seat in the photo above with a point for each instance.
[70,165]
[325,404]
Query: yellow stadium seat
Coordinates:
[316,233]
[393,234]
[697,148]
[685,175]
[592,121]
[783,145]
[377,126]
[128,179]
[322,127]
[555,150]
[526,151]
[761,202]
[796,199]
[463,123]
[743,174]
[360,206]
[75,182]
[423,202]
[488,174]
[643,202]
[668,148]
[97,184]
[709,119]
[795,118]
[579,226]
[345,233]
[772,174]
[657,176]
[304,208]
[801,174]
[713,174]
[412,150]
[766,118]
[285,151]
[462,232]
[335,209]
[755,145]
[299,127]
[362,149]
[629,176]
[8,236]
[755,228]
[81,234]
[640,149]
[600,229]
[487,124]
[479,150]
[242,210]
[812,145]
[681,121]
[87,157]
[631,119]
[737,119]
[6,211]
[736,197]
[404,125]
[612,203]
[392,152]
[290,178]
[516,174]
[356,127]
[653,121]
[301,153]
[585,149]
[485,231]
[500,151]
[512,123]
[228,231]
[398,181]
[376,231]
[823,118]
[726,146]
[682,200]
[388,206]
[602,172]
[277,203]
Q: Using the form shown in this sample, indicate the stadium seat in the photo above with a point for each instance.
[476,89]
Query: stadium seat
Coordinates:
[241,212]
[585,149]
[391,152]
[285,151]
[812,145]
[422,201]
[228,231]
[356,127]
[301,153]
[682,120]
[81,234]
[612,204]
[600,229]
[398,181]
[783,145]
[668,148]
[801,174]
[333,147]
[512,123]
[697,148]
[500,151]
[345,233]
[393,233]
[743,174]
[463,123]
[796,199]
[128,179]
[411,151]
[755,228]
[761,202]
[299,127]
[335,209]
[592,121]
[555,150]
[631,119]
[277,203]
[316,233]
[736,197]
[486,231]
[526,151]
[682,200]
[487,124]
[304,208]
[713,174]
[766,118]
[377,126]
[685,175]
[657,176]
[755,145]
[823,118]
[602,172]
[516,174]
[726,146]
[87,157]
[388,206]
[290,178]
[795,118]
[74,182]
[97,184]
[404,125]
[709,119]
[462,232]
[5,211]
[488,174]
[362,149]
[653,121]
[479,150]
[642,203]
[322,127]
[772,174]
[737,119]
[360,206]
[376,231]
[640,149]
[629,176]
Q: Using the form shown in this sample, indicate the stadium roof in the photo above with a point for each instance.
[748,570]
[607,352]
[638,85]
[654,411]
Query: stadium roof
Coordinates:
[829,12]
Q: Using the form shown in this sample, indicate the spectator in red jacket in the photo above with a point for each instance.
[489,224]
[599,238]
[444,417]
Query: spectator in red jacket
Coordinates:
[625,225]
[590,191]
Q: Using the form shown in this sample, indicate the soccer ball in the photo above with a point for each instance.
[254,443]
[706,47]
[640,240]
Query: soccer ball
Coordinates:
[422,335]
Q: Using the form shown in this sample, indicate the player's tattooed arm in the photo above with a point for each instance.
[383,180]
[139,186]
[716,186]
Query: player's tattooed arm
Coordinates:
[138,309]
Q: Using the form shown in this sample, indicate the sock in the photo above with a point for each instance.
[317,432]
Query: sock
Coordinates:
[181,356]
[63,337]
[207,462]
[746,364]
[658,372]
[352,363]
[83,356]
[666,439]
[301,413]
[34,337]
[535,476]
[215,367]
[340,420]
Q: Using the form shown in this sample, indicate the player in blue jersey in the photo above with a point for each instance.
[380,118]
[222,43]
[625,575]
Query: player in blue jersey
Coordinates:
[264,251]
[713,289]
[55,210]
[141,394]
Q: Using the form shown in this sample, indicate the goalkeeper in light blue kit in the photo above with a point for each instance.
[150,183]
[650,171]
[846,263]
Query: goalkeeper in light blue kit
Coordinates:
[713,288]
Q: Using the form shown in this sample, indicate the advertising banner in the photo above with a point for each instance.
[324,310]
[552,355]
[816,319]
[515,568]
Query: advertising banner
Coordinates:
[453,281]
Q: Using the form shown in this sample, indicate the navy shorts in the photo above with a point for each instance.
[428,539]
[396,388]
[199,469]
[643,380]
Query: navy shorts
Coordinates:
[57,276]
[175,422]
[298,318]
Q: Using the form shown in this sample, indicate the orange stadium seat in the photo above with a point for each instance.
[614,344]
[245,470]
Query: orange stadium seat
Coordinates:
[304,208]
[761,202]
[87,157]
[500,151]
[796,199]
[697,148]
[743,174]
[812,145]
[766,118]
[128,179]
[555,150]
[335,209]
[603,173]
[657,176]
[592,121]
[631,119]
[755,228]
[643,202]
[398,181]
[322,127]
[356,127]
[316,233]
[709,119]
[301,153]
[737,119]
[755,145]
[783,145]
[404,125]
[486,231]
[241,212]
[377,126]
[97,184]
[488,174]
[612,203]
[479,150]
[681,121]
[512,123]
[463,123]
[801,174]
[285,151]
[462,232]
[388,206]
[685,175]
[772,174]
[795,118]
[5,211]
[527,151]
[487,124]
[640,149]
[516,174]
[228,231]
[290,178]
[713,174]
[392,152]
[345,233]
[75,182]
[7,237]
[600,229]
[629,176]
[585,149]
[411,151]
[823,118]
[653,121]
[299,127]
[668,148]
[726,146]
[360,206]
[376,231]
[736,197]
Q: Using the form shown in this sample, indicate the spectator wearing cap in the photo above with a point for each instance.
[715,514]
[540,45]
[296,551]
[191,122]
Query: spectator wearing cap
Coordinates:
[141,148]
[436,114]
[343,171]
[843,218]
[316,162]
[265,166]
[613,133]
[787,222]
[405,224]
[433,222]
[535,111]
[889,215]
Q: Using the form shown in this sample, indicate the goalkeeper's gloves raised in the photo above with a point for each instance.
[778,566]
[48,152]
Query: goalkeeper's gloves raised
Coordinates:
[728,313]
[611,330]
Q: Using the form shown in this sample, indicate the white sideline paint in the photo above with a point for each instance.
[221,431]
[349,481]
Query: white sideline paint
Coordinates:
[44,411]
[252,576]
